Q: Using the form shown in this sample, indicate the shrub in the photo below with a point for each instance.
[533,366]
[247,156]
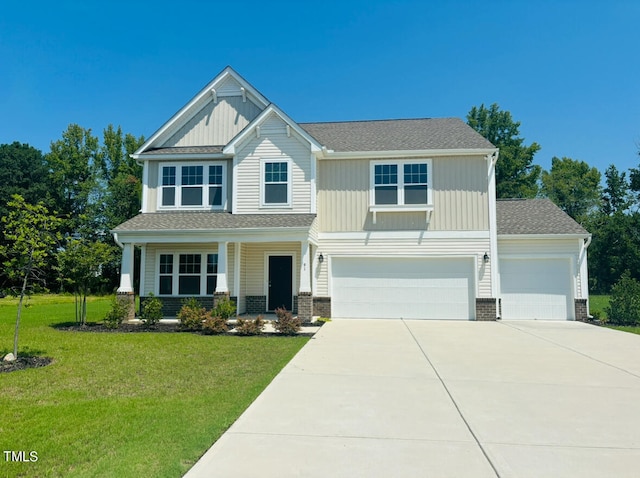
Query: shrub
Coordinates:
[191,314]
[151,311]
[624,306]
[118,312]
[250,327]
[214,325]
[285,323]
[224,309]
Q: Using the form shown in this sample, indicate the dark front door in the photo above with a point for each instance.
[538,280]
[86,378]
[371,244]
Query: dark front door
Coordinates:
[280,282]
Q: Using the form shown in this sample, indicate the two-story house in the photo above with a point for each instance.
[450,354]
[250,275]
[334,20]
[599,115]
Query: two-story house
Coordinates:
[390,219]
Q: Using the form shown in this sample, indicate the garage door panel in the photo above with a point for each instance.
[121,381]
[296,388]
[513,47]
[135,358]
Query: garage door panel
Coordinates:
[402,287]
[536,289]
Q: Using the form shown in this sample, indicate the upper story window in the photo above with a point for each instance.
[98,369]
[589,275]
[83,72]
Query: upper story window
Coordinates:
[276,184]
[192,186]
[401,183]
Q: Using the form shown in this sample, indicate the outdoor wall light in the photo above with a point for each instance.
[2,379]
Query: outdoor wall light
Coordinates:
[321,258]
[486,258]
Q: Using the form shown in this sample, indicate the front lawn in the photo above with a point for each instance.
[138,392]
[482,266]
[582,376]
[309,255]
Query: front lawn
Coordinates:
[598,304]
[124,404]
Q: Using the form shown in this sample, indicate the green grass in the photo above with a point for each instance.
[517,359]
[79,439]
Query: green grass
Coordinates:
[118,404]
[626,328]
[598,304]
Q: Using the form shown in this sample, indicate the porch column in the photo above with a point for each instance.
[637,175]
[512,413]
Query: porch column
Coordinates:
[126,270]
[125,291]
[305,298]
[222,288]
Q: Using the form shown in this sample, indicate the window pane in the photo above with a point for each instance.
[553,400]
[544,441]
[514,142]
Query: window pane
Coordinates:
[415,194]
[275,172]
[386,174]
[192,196]
[190,263]
[166,263]
[191,175]
[215,196]
[169,176]
[275,194]
[189,285]
[386,195]
[169,196]
[215,175]
[166,285]
[212,263]
[415,173]
[211,284]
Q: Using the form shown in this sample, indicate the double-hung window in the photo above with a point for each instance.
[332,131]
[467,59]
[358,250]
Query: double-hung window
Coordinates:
[276,183]
[188,274]
[192,186]
[401,183]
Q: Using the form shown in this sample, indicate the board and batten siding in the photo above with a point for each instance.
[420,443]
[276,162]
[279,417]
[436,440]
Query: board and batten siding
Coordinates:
[151,268]
[460,197]
[545,248]
[273,144]
[403,247]
[215,124]
[254,276]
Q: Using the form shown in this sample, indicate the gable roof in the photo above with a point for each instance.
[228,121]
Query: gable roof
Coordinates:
[534,216]
[397,135]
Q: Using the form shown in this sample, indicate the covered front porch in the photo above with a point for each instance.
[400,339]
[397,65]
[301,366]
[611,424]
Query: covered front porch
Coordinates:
[260,270]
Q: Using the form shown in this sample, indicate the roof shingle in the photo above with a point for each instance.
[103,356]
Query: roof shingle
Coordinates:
[397,135]
[203,221]
[534,216]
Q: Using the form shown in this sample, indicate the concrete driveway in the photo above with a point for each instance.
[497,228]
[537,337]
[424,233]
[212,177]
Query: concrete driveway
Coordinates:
[394,398]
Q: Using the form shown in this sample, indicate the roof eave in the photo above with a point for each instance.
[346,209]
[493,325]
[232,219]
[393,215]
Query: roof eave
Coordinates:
[330,154]
[560,235]
[181,156]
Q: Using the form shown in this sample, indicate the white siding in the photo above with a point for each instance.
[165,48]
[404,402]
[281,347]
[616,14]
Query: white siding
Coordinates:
[215,124]
[403,247]
[273,143]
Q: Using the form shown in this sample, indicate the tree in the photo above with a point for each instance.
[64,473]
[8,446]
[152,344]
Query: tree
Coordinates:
[616,197]
[573,186]
[31,233]
[80,265]
[516,175]
[73,163]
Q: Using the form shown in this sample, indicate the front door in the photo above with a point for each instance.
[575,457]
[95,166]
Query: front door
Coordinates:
[280,282]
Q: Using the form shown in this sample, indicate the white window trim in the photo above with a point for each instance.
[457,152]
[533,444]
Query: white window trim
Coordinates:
[263,162]
[175,276]
[401,207]
[205,186]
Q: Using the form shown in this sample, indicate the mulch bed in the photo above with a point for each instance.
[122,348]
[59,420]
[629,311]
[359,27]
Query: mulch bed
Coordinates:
[24,362]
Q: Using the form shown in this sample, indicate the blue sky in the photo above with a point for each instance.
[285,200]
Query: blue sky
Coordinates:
[568,71]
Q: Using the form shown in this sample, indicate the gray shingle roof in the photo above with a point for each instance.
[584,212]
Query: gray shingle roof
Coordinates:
[534,216]
[397,135]
[185,150]
[204,221]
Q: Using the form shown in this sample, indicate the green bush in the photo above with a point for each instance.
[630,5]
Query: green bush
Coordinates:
[118,312]
[151,311]
[214,325]
[191,314]
[250,327]
[286,323]
[624,306]
[224,309]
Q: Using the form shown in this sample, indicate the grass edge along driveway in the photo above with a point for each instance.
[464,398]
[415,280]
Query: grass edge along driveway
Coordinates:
[124,404]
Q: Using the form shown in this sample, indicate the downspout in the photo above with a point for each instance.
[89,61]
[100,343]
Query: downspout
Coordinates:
[493,232]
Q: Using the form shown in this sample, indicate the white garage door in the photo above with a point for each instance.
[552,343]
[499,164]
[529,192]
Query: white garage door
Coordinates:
[536,289]
[410,288]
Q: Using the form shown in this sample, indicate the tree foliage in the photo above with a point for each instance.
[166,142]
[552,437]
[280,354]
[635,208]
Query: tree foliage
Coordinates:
[31,234]
[573,186]
[80,264]
[624,307]
[516,175]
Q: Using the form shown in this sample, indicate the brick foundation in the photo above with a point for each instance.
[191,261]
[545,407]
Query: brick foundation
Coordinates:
[255,304]
[485,309]
[305,306]
[218,296]
[582,313]
[129,299]
[322,306]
